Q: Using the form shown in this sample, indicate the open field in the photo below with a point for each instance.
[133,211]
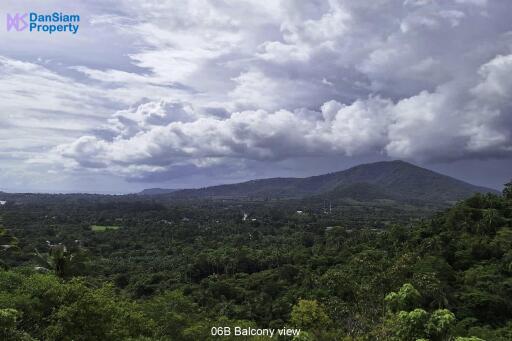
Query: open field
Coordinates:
[102,228]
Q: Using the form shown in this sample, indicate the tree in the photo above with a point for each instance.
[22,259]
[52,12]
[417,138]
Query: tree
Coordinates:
[8,245]
[310,316]
[410,325]
[8,326]
[63,261]
[507,191]
[48,308]
[407,323]
[405,299]
[97,314]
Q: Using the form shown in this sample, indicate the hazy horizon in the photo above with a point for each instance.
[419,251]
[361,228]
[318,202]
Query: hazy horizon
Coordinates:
[191,94]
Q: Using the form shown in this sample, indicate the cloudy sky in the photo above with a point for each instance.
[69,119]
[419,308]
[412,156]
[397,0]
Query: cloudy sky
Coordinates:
[191,93]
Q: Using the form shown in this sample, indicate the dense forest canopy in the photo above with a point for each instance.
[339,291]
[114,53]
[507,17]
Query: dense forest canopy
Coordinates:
[111,268]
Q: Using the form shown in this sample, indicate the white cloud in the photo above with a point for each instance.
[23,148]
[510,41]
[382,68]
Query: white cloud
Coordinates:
[481,3]
[496,86]
[252,135]
[451,122]
[35,99]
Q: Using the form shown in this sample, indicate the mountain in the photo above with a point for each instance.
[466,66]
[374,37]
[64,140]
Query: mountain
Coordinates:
[156,191]
[393,180]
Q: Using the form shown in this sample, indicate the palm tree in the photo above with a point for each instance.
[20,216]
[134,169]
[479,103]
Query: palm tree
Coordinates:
[62,261]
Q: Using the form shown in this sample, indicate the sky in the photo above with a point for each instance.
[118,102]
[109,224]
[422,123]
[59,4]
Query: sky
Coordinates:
[183,94]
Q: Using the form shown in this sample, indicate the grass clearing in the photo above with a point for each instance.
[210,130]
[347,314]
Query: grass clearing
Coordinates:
[102,228]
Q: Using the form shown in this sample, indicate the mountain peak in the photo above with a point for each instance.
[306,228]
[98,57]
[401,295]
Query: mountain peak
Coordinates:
[398,180]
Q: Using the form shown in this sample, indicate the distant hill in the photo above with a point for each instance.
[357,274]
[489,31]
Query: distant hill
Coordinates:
[156,191]
[394,180]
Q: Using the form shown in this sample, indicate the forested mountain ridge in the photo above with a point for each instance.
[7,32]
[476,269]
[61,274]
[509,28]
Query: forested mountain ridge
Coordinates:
[395,180]
[153,191]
